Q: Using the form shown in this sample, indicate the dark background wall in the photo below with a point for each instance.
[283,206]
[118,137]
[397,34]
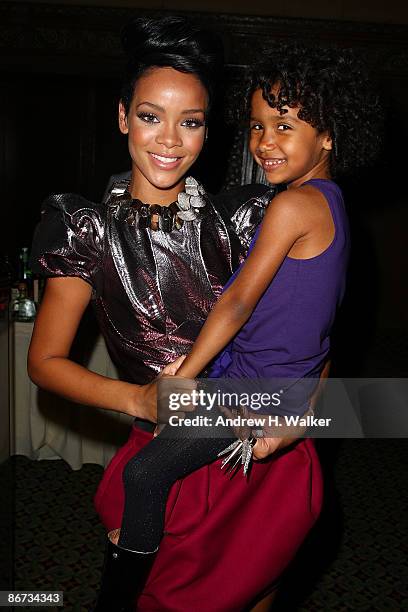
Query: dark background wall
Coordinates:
[394,11]
[60,74]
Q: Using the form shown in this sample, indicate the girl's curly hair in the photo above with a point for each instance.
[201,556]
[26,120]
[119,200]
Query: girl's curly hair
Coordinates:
[332,89]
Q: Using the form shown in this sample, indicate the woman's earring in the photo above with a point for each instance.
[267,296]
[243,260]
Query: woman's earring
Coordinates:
[206,136]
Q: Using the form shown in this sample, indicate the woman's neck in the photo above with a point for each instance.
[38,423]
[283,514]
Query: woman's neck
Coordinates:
[141,189]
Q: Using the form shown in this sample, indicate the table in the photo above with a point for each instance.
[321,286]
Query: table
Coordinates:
[45,426]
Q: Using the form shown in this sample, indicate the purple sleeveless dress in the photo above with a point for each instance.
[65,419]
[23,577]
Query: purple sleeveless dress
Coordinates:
[288,333]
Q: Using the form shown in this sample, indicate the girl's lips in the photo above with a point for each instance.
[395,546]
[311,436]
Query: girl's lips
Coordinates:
[272,164]
[165,162]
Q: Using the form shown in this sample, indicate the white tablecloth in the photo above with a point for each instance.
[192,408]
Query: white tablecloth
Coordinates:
[45,426]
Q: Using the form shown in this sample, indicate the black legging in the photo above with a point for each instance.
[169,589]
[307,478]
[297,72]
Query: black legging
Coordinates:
[148,476]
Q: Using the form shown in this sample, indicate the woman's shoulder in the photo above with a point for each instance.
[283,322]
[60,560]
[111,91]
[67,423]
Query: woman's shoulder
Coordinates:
[70,204]
[243,208]
[66,216]
[229,201]
[68,239]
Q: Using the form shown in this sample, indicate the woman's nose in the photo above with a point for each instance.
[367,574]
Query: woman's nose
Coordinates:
[169,136]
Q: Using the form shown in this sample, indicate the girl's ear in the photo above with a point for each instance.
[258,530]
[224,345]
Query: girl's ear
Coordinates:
[123,120]
[327,143]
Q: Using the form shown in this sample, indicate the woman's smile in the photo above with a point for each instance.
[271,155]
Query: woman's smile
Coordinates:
[165,162]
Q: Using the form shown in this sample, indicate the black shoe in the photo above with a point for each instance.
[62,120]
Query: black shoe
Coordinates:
[123,578]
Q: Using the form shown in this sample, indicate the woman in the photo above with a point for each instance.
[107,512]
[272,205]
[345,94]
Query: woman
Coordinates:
[153,261]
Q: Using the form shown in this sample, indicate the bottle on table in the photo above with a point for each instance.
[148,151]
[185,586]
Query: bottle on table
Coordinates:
[24,273]
[24,307]
[38,288]
[24,290]
[6,278]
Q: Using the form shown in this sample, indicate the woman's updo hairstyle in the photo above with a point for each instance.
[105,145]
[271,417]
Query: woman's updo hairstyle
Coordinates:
[172,42]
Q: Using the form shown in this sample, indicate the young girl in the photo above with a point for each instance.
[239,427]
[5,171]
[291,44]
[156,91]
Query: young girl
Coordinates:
[311,118]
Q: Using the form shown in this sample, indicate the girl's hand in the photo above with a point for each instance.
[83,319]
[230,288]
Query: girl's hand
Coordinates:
[172,368]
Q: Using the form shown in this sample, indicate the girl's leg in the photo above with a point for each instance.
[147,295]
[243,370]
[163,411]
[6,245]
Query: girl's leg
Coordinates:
[148,477]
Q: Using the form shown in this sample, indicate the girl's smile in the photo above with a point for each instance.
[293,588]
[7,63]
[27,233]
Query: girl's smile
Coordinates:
[288,149]
[269,164]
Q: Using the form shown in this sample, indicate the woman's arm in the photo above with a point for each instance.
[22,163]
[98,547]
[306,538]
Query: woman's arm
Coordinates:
[284,223]
[49,366]
[266,446]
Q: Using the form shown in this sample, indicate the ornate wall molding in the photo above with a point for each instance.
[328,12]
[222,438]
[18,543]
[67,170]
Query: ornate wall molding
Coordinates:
[35,32]
[83,42]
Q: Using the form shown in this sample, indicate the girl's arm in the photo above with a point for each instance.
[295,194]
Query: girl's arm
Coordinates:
[285,222]
[49,366]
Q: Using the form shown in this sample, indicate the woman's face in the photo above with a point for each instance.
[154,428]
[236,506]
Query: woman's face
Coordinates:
[166,132]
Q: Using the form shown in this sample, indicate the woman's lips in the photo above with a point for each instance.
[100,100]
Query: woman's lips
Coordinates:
[272,163]
[165,162]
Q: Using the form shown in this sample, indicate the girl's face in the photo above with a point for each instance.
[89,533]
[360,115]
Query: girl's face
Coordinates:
[166,131]
[287,148]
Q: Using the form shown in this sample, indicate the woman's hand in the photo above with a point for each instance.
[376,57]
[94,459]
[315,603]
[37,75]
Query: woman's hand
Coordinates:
[266,446]
[144,405]
[154,397]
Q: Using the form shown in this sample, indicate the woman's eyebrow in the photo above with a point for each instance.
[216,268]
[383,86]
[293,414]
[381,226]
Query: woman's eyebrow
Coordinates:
[155,106]
[188,111]
[193,110]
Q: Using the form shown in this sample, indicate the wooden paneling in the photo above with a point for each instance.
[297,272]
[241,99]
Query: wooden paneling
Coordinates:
[393,11]
[60,76]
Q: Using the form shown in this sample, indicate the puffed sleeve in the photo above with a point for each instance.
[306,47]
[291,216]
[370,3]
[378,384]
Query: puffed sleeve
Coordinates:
[245,207]
[68,241]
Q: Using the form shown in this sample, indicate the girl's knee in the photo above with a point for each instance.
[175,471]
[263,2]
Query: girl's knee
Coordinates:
[133,472]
